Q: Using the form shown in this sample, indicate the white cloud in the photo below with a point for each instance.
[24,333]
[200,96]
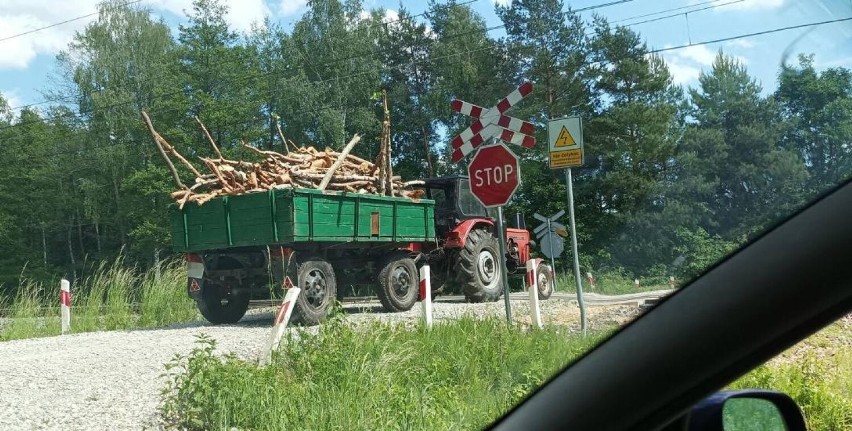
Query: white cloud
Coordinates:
[20,16]
[742,43]
[685,64]
[752,5]
[241,13]
[291,7]
[681,72]
[501,2]
[698,53]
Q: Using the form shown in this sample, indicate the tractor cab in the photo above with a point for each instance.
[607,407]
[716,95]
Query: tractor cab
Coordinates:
[454,202]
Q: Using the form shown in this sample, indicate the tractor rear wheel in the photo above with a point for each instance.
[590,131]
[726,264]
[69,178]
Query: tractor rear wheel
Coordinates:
[478,267]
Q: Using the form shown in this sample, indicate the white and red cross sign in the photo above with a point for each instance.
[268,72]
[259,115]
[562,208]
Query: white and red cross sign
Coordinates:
[492,123]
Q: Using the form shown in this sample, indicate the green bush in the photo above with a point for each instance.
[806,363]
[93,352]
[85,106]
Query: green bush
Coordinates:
[459,375]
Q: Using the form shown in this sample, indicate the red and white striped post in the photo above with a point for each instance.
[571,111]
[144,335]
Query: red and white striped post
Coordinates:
[65,305]
[282,317]
[426,295]
[532,284]
[590,278]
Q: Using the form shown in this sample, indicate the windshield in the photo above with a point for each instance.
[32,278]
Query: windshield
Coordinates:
[216,211]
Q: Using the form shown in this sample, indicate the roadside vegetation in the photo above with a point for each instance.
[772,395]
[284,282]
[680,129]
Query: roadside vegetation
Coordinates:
[817,373]
[114,296]
[460,375]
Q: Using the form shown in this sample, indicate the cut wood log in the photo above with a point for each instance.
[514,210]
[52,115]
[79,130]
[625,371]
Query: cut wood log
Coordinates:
[162,151]
[340,159]
[209,138]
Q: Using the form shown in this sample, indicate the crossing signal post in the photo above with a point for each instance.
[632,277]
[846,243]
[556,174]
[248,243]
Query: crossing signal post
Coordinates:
[565,139]
[494,171]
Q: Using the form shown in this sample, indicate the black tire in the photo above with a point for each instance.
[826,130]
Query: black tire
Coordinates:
[316,278]
[218,305]
[545,281]
[399,283]
[477,267]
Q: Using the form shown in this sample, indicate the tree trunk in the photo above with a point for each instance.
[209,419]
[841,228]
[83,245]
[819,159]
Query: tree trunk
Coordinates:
[428,153]
[80,234]
[118,218]
[98,236]
[69,236]
[43,245]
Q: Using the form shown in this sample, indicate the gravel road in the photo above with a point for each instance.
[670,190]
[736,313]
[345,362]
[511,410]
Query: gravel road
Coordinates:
[112,380]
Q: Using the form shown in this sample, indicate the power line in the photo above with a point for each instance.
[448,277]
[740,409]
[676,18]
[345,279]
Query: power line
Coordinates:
[759,33]
[35,30]
[599,6]
[671,10]
[682,13]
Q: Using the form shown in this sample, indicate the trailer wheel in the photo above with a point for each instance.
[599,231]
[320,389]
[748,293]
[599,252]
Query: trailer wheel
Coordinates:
[545,281]
[219,305]
[399,283]
[319,291]
[478,268]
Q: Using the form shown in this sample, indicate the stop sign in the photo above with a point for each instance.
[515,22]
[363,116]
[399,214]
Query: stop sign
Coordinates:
[494,175]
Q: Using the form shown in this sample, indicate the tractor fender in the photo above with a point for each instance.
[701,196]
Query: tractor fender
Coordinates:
[458,236]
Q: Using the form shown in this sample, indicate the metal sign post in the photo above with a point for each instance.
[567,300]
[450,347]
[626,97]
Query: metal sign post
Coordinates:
[569,181]
[504,276]
[494,172]
[565,139]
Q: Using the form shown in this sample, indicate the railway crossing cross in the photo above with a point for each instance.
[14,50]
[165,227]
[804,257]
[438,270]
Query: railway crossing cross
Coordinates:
[492,123]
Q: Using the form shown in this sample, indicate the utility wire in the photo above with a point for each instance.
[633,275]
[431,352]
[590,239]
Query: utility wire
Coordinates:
[682,13]
[56,24]
[758,33]
[674,9]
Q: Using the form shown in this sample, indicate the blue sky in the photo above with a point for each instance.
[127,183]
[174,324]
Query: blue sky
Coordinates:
[27,62]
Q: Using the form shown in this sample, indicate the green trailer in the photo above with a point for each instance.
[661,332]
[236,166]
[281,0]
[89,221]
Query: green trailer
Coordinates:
[248,247]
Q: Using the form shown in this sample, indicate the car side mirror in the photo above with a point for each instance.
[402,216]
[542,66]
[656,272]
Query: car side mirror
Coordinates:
[746,410]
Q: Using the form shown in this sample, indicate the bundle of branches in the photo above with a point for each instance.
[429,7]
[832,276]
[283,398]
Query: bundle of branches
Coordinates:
[303,167]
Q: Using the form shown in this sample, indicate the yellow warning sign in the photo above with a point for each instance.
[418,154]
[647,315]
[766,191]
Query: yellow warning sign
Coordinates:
[566,159]
[565,139]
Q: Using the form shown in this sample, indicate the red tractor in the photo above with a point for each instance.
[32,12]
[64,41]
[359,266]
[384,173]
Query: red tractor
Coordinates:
[465,258]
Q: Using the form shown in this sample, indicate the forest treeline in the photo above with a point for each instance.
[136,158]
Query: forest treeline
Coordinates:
[674,177]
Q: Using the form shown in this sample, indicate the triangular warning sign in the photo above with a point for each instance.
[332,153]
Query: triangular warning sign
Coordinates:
[565,139]
[193,286]
[287,282]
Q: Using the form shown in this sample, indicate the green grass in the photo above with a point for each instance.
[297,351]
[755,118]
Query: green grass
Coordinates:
[115,296]
[460,375]
[817,374]
[608,283]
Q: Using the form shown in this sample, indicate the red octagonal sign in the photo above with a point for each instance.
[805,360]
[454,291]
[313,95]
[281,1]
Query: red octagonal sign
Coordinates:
[494,175]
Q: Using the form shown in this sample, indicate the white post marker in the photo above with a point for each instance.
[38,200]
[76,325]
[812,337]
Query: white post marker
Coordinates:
[532,282]
[65,305]
[426,295]
[280,323]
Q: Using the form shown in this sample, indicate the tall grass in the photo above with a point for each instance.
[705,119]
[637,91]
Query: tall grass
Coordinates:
[819,379]
[115,296]
[460,375]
